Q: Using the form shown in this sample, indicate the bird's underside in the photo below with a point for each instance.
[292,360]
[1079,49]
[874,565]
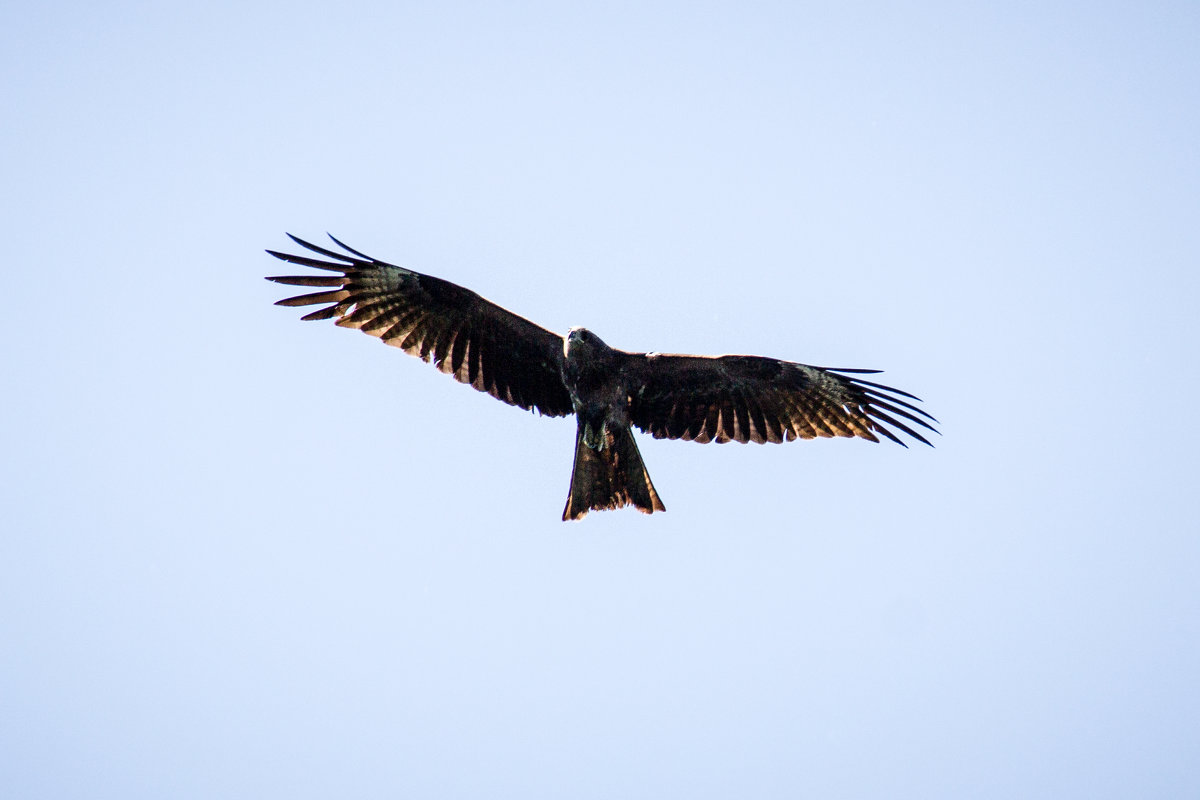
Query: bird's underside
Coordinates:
[695,398]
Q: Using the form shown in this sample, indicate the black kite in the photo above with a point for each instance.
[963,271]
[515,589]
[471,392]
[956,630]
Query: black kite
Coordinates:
[695,398]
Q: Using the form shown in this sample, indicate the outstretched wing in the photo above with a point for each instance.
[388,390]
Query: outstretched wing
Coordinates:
[460,333]
[755,399]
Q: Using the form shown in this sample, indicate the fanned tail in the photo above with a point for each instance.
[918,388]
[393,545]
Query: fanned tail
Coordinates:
[611,477]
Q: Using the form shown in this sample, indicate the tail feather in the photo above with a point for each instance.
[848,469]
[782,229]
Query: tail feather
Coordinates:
[611,477]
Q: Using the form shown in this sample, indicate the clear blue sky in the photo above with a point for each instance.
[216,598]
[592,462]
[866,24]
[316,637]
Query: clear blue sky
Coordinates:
[245,556]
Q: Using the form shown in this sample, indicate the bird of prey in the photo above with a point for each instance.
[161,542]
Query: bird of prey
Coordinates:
[695,398]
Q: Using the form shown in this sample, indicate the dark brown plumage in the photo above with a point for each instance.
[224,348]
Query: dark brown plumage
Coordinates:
[694,398]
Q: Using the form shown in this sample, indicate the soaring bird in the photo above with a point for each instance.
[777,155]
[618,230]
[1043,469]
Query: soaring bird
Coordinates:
[695,398]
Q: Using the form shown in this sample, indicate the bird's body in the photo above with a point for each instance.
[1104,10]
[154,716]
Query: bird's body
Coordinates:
[608,470]
[609,391]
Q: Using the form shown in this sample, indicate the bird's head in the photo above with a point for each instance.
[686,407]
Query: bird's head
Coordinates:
[582,341]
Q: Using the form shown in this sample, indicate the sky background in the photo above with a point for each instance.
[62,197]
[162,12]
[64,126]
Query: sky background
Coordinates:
[244,556]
